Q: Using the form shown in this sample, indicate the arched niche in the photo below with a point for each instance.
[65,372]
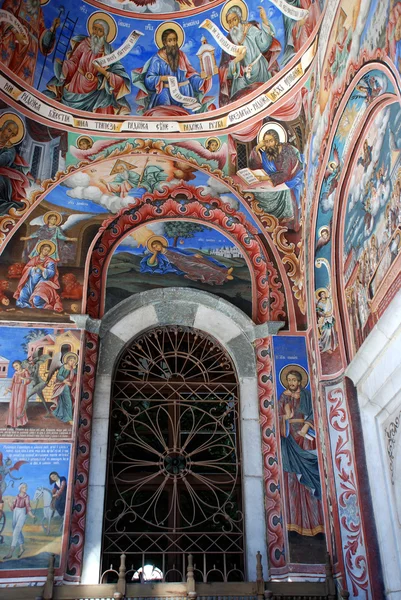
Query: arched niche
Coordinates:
[236,333]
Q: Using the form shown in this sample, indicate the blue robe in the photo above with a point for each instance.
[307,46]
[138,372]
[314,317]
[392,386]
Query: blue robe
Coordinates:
[36,276]
[303,463]
[148,81]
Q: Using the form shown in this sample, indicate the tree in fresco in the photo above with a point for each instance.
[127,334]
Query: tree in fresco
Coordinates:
[181,229]
[33,336]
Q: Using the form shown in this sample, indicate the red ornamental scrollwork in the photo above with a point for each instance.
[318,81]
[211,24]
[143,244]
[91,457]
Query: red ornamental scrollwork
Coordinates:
[348,495]
[274,520]
[77,530]
[186,202]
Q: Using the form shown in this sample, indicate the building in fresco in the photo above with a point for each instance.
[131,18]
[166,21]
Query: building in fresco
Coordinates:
[200,297]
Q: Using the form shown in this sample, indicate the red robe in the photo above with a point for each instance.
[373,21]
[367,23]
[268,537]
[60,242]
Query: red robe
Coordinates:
[19,387]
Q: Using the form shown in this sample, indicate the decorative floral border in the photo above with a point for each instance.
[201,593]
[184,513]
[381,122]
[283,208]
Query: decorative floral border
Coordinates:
[78,517]
[274,518]
[391,432]
[351,527]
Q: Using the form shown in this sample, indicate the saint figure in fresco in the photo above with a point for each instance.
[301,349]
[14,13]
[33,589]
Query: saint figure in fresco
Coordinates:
[302,485]
[196,267]
[16,416]
[328,340]
[39,281]
[282,163]
[21,508]
[81,83]
[297,33]
[51,230]
[13,169]
[170,61]
[366,157]
[64,389]
[256,61]
[339,55]
[19,52]
[59,492]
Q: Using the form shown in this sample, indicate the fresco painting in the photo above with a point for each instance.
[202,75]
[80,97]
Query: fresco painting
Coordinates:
[39,382]
[302,488]
[372,231]
[275,175]
[94,62]
[371,85]
[33,504]
[29,154]
[179,253]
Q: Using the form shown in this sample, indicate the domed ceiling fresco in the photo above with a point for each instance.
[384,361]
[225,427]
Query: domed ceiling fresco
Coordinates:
[248,150]
[60,52]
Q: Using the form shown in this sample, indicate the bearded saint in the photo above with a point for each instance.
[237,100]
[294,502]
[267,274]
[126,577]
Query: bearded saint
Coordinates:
[13,180]
[81,83]
[282,163]
[255,63]
[17,52]
[152,79]
[302,485]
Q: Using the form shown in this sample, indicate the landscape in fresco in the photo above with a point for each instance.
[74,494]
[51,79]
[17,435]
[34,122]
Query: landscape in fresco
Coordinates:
[179,254]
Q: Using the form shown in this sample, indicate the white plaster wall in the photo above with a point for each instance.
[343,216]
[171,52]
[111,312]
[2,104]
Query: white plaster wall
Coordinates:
[235,332]
[376,372]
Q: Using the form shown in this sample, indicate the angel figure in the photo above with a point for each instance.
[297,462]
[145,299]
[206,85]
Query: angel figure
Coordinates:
[368,89]
[328,340]
[87,149]
[331,179]
[324,234]
[64,389]
[51,229]
[212,150]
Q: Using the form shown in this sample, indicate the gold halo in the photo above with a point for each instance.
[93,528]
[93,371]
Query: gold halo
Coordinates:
[213,139]
[241,5]
[324,228]
[70,355]
[44,2]
[282,134]
[285,370]
[333,165]
[9,116]
[46,243]
[319,290]
[169,25]
[47,216]
[110,22]
[156,238]
[83,137]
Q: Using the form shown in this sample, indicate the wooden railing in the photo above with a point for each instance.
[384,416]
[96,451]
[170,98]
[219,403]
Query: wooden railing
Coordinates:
[189,590]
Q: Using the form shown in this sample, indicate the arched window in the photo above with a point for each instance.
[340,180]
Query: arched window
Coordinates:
[174,469]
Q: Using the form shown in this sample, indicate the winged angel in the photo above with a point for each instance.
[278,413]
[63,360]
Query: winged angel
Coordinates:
[52,228]
[331,179]
[212,150]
